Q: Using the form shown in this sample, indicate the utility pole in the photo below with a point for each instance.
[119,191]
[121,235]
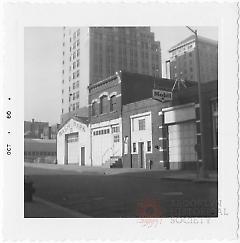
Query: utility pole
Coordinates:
[203,169]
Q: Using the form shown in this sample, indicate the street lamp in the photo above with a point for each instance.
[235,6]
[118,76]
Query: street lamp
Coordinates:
[203,169]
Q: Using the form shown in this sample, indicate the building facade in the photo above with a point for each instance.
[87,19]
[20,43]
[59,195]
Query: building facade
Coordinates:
[94,53]
[183,64]
[128,128]
[73,142]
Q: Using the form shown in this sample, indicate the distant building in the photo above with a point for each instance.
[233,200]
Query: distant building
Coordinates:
[91,54]
[183,59]
[53,130]
[40,150]
[36,129]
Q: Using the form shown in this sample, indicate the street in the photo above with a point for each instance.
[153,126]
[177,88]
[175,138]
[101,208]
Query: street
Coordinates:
[124,195]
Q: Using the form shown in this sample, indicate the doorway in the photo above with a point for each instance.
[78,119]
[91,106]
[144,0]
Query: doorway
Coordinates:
[82,156]
[141,154]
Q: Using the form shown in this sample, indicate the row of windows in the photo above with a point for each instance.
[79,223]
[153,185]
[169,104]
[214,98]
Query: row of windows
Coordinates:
[115,129]
[75,106]
[76,64]
[185,48]
[75,95]
[75,45]
[104,104]
[75,74]
[72,139]
[101,132]
[75,55]
[75,34]
[36,153]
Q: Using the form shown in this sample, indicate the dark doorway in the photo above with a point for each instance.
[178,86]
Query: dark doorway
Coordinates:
[82,156]
[141,154]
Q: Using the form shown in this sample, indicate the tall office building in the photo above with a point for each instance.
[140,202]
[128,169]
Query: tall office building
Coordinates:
[183,59]
[91,54]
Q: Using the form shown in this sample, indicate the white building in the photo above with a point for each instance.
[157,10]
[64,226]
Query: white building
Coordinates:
[106,142]
[73,143]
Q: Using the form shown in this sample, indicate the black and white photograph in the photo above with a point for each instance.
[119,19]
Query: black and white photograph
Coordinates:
[112,121]
[132,128]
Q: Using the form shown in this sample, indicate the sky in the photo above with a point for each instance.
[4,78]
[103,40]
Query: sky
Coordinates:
[42,66]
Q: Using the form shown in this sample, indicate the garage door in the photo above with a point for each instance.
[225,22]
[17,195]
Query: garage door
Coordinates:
[73,148]
[182,139]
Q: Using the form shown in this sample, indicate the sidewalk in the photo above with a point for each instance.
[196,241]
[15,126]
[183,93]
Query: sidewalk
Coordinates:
[190,176]
[40,208]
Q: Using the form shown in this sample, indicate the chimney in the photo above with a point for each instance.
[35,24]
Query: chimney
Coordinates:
[33,120]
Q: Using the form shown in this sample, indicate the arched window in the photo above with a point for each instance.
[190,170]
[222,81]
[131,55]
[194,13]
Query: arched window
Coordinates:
[94,108]
[113,103]
[103,104]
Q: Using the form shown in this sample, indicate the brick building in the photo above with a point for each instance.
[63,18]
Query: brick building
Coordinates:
[168,134]
[131,129]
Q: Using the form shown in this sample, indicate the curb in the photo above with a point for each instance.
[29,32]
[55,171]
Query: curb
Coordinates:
[193,180]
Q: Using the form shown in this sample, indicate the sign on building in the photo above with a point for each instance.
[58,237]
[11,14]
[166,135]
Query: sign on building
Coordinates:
[162,95]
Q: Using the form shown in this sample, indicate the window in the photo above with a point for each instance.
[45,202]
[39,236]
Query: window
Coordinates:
[149,146]
[115,129]
[134,148]
[113,103]
[77,105]
[94,108]
[103,104]
[78,62]
[116,139]
[77,95]
[141,124]
[77,84]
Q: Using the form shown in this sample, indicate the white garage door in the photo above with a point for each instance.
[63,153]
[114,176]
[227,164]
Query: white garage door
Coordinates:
[182,139]
[73,148]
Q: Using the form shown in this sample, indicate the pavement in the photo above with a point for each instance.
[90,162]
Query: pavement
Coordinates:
[76,192]
[40,208]
[185,175]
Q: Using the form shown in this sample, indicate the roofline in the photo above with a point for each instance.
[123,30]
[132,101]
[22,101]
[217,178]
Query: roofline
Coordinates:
[106,80]
[74,118]
[200,39]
